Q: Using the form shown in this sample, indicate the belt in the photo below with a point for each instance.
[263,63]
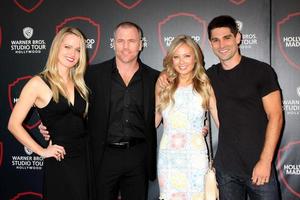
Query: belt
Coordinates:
[126,145]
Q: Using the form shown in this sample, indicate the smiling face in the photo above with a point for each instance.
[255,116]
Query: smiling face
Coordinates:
[184,61]
[225,45]
[69,51]
[127,44]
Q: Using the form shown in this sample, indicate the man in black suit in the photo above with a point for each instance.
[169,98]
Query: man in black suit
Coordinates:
[121,119]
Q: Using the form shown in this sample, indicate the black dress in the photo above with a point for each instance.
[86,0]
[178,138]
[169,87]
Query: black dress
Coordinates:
[68,178]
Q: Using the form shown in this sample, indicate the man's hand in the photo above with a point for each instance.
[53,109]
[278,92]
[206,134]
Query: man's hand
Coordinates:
[162,81]
[204,130]
[261,172]
[44,132]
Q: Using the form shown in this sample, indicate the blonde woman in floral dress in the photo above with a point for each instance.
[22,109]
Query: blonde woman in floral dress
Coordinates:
[181,106]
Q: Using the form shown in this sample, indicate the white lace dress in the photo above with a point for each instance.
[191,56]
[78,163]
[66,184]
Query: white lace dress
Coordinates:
[182,158]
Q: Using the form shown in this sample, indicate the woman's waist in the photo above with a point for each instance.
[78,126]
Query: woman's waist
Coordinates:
[69,139]
[67,135]
[172,131]
[72,145]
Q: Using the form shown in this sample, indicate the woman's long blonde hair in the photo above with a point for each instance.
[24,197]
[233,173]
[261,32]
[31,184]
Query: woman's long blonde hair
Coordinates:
[76,73]
[200,80]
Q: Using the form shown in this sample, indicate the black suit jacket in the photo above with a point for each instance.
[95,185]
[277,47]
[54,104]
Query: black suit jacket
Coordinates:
[98,79]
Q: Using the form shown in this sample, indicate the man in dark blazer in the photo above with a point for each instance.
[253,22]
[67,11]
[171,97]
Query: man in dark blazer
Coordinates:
[121,122]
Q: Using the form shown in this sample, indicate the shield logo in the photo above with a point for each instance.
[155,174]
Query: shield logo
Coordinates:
[298,91]
[14,89]
[1,153]
[239,24]
[291,182]
[28,5]
[28,195]
[28,32]
[91,31]
[28,151]
[237,2]
[130,4]
[169,27]
[287,26]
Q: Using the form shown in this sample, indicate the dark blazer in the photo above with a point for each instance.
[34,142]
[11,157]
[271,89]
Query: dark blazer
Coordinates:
[98,79]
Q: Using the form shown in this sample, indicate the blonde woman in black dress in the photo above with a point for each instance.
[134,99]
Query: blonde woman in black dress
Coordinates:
[61,97]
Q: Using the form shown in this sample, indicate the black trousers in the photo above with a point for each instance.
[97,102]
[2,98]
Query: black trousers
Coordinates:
[123,173]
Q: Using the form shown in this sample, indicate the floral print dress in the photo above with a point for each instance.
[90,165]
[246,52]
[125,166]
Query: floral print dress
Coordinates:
[182,158]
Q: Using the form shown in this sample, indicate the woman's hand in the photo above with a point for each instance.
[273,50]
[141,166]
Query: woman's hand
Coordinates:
[55,151]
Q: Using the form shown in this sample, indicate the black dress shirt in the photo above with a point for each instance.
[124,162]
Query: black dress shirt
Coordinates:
[126,119]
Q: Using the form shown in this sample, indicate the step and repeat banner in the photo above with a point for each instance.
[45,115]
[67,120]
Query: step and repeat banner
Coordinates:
[271,33]
[285,58]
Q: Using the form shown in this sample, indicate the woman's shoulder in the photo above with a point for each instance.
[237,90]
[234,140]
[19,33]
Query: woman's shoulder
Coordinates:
[36,80]
[37,83]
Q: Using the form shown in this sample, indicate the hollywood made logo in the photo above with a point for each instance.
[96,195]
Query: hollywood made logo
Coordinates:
[181,23]
[288,38]
[289,167]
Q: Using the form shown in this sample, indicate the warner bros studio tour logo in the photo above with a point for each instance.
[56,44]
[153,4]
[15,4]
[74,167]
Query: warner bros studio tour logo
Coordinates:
[29,45]
[89,28]
[292,106]
[28,6]
[144,42]
[128,4]
[288,165]
[181,23]
[29,161]
[288,38]
[248,39]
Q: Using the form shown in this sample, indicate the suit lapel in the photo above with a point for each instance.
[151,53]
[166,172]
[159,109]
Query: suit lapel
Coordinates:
[146,95]
[107,89]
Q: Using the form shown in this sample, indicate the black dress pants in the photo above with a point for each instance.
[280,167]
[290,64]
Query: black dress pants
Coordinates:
[123,173]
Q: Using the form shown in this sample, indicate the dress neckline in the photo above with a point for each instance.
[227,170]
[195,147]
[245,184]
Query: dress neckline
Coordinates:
[185,87]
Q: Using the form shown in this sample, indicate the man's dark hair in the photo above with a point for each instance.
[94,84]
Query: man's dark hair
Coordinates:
[223,21]
[129,24]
